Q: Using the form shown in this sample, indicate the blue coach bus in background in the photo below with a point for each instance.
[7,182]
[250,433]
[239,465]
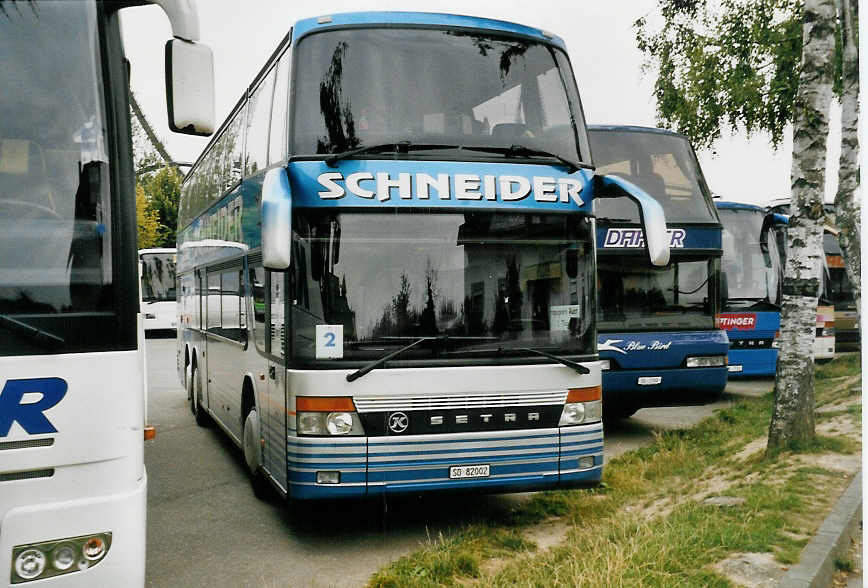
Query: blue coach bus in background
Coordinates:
[658,336]
[751,296]
[386,262]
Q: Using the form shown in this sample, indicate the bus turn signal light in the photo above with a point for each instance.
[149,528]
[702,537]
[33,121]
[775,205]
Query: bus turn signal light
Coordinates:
[584,394]
[324,404]
[150,432]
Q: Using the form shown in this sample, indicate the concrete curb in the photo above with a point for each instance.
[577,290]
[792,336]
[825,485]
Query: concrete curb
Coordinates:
[817,562]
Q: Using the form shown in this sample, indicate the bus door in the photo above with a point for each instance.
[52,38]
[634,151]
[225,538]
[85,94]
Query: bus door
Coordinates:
[274,412]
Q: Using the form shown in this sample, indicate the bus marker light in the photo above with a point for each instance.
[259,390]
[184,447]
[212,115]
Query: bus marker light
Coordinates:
[586,462]
[324,404]
[150,432]
[328,477]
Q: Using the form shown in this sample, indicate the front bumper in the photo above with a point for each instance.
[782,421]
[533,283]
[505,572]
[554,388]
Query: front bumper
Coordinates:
[676,386]
[531,459]
[752,362]
[123,515]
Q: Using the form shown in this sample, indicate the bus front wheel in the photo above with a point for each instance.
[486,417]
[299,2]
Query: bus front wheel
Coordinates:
[253,455]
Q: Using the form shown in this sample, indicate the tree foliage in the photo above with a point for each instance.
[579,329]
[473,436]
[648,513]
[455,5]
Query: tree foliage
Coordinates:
[147,221]
[163,192]
[732,63]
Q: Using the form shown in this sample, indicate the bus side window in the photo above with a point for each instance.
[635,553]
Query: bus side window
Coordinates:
[213,321]
[258,120]
[232,321]
[257,290]
[277,138]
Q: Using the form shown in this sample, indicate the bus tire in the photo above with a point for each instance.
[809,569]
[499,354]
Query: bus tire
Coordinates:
[196,398]
[253,455]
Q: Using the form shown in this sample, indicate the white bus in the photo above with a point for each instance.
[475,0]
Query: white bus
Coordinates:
[410,304]
[159,301]
[72,411]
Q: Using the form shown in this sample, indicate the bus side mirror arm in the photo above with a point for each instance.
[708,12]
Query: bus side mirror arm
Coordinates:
[276,215]
[650,213]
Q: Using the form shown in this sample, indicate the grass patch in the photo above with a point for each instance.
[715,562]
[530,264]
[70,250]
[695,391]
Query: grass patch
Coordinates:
[847,364]
[647,524]
[844,565]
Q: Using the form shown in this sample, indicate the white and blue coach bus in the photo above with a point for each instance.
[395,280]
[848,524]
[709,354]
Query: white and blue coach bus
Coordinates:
[72,398]
[386,262]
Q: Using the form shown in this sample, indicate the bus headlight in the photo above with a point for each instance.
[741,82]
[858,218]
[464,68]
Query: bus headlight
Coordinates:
[339,423]
[30,564]
[63,557]
[706,361]
[584,405]
[605,364]
[327,416]
[66,556]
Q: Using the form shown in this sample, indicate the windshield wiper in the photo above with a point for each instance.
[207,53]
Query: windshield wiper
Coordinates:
[567,362]
[45,338]
[379,362]
[523,150]
[396,147]
[375,364]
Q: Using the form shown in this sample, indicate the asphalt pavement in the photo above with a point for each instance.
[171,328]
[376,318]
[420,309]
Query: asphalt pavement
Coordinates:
[206,528]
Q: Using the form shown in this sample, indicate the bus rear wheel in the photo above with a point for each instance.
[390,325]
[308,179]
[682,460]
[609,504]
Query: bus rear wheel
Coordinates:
[195,395]
[253,455]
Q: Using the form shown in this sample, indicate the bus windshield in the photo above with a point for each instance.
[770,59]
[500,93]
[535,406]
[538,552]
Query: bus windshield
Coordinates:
[435,90]
[751,275]
[494,283]
[158,277]
[635,296]
[55,214]
[662,164]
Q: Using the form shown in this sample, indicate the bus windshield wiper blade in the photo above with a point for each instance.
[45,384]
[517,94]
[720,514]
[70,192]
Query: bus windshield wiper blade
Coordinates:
[379,362]
[375,364]
[395,146]
[47,339]
[567,362]
[523,150]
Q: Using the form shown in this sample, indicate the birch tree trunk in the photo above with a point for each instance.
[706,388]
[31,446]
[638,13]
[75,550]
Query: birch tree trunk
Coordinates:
[793,412]
[847,199]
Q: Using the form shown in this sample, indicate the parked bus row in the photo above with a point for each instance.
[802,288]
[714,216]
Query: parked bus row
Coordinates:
[387,287]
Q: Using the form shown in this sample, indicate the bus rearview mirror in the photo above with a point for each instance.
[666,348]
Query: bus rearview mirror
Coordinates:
[276,214]
[190,87]
[650,213]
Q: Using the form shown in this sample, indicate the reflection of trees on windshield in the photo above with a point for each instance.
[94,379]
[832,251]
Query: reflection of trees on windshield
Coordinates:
[337,113]
[509,51]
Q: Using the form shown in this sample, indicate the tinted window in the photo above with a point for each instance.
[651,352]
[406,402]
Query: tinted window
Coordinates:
[370,86]
[277,142]
[258,120]
[494,283]
[663,165]
[57,283]
[637,296]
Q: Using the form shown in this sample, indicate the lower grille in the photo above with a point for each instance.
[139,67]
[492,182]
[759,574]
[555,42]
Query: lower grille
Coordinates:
[459,401]
[28,475]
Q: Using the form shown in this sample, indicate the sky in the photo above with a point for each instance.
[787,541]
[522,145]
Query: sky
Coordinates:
[599,36]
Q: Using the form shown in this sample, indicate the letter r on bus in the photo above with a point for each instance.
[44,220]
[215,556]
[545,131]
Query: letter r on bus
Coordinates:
[30,414]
